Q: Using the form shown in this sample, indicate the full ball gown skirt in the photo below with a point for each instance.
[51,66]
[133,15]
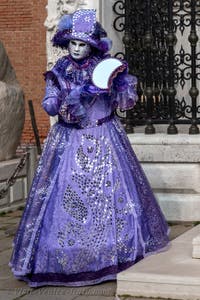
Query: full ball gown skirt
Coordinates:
[90,213]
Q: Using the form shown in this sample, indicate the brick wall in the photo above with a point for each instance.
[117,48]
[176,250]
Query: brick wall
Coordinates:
[24,36]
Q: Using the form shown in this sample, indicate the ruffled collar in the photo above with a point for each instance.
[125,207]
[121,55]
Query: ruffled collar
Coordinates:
[79,71]
[80,64]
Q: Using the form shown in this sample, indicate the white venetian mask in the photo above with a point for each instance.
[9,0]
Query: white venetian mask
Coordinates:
[79,49]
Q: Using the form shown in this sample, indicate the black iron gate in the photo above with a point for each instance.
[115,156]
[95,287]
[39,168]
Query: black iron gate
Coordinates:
[162,47]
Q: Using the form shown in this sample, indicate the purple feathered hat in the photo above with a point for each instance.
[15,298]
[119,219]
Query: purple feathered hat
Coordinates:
[82,25]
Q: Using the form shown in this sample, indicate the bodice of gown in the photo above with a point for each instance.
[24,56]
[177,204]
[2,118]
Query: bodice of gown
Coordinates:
[68,92]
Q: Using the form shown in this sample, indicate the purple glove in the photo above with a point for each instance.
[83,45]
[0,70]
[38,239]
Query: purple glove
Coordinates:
[71,103]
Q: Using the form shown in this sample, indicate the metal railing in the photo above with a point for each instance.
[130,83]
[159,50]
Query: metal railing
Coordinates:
[162,47]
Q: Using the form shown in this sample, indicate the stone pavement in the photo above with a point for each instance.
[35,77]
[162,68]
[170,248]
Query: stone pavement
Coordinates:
[12,289]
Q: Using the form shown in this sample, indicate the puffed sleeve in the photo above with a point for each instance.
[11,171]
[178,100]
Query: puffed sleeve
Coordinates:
[51,100]
[124,91]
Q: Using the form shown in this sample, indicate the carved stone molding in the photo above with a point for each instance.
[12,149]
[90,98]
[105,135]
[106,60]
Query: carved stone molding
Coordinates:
[55,10]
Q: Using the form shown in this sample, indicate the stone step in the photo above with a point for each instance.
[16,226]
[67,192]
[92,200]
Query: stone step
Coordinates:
[171,274]
[179,207]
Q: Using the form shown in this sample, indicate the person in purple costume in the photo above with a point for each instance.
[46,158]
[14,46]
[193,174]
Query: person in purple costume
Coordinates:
[90,212]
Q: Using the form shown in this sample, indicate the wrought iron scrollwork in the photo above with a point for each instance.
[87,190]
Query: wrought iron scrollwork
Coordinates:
[160,39]
[119,10]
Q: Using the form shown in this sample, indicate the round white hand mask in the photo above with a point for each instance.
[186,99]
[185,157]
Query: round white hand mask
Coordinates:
[78,49]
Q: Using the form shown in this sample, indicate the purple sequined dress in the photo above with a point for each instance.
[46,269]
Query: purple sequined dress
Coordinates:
[91,212]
